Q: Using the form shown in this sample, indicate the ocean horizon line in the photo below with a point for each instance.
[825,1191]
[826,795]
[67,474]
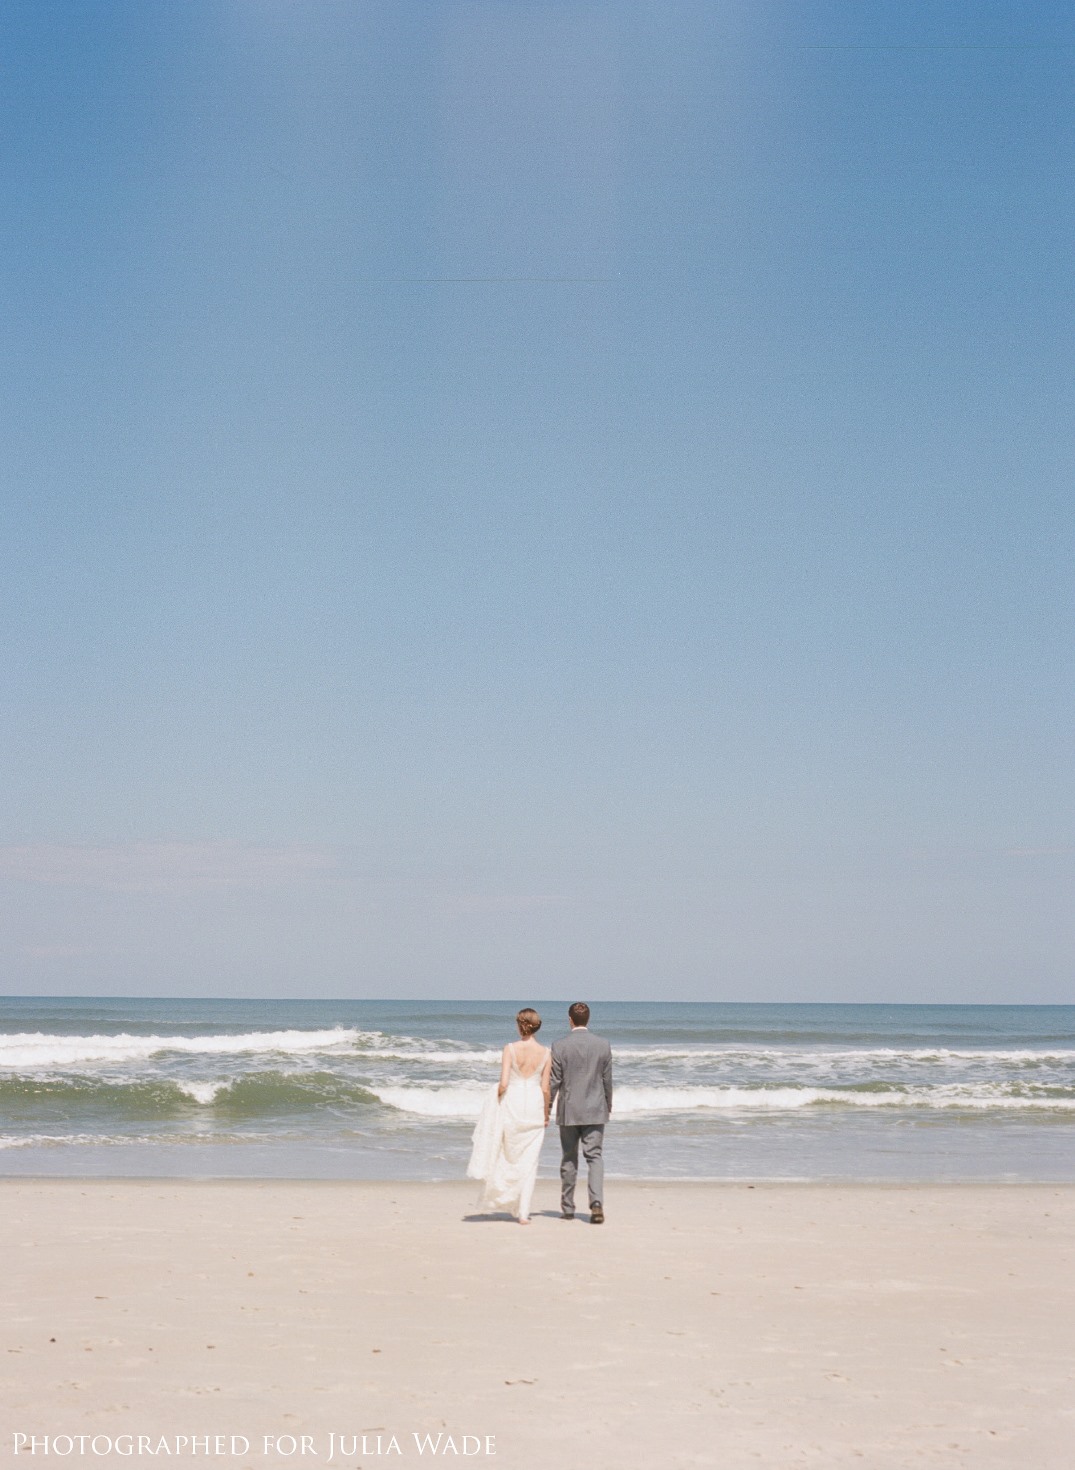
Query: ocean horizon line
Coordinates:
[565,1000]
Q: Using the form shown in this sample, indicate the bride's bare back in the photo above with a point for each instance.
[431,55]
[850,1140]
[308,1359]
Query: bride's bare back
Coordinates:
[529,1056]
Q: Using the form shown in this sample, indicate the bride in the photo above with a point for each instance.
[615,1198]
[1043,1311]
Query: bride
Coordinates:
[510,1131]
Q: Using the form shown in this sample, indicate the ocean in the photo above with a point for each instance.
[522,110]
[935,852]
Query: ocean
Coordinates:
[371,1089]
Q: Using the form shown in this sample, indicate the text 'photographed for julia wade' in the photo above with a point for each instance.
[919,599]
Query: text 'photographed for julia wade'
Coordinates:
[326,1448]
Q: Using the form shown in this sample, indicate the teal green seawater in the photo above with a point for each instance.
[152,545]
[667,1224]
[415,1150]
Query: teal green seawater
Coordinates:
[390,1089]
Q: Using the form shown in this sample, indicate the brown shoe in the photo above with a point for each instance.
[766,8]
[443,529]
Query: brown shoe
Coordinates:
[597,1215]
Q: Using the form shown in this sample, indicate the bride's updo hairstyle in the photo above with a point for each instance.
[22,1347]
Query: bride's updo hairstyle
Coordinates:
[528,1022]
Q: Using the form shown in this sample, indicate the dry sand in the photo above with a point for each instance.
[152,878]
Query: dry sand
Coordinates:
[715,1325]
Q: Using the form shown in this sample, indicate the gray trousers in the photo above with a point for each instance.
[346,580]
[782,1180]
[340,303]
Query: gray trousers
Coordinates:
[591,1136]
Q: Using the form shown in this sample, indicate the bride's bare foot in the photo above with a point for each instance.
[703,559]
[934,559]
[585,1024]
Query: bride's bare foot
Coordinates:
[525,1222]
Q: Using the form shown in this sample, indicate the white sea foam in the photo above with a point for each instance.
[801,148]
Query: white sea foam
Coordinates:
[435,1102]
[384,1054]
[814,1056]
[78,1140]
[39,1049]
[782,1099]
[203,1092]
[465,1102]
[792,1061]
[945,1054]
[745,1055]
[630,1100]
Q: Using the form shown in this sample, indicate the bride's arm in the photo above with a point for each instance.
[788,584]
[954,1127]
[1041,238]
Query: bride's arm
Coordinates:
[546,1069]
[505,1072]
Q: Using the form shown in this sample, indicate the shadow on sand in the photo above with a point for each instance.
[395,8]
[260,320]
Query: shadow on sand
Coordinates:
[502,1218]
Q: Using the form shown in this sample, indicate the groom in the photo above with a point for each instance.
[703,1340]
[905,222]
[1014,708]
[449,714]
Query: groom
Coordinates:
[581,1086]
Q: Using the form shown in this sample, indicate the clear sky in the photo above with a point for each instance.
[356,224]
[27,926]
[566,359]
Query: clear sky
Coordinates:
[504,498]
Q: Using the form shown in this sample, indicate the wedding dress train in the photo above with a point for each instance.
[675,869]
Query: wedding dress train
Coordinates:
[507,1141]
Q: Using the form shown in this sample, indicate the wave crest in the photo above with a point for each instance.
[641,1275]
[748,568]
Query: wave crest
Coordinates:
[39,1049]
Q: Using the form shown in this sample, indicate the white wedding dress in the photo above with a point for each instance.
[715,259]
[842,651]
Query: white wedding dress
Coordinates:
[507,1141]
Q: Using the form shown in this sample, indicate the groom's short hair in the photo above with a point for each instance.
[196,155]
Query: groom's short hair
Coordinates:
[579,1013]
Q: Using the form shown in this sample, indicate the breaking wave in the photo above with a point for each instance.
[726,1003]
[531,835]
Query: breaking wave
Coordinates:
[39,1049]
[465,1102]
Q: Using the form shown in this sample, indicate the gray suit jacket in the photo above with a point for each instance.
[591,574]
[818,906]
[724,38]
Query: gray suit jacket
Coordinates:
[581,1080]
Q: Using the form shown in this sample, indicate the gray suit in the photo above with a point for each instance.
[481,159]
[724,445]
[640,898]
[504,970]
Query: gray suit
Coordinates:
[580,1086]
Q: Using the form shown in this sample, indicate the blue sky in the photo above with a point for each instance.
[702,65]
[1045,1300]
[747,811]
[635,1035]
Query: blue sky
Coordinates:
[507,497]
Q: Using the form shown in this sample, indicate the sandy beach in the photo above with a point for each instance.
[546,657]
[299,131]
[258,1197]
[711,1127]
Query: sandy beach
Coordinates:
[703,1324]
